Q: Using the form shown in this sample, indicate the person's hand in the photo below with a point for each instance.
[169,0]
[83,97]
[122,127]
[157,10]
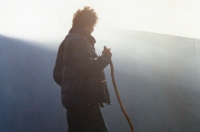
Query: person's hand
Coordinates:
[106,51]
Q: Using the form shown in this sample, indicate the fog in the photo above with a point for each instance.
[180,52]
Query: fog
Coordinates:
[157,76]
[49,20]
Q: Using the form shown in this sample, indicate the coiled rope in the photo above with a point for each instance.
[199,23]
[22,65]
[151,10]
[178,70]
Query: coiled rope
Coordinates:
[118,97]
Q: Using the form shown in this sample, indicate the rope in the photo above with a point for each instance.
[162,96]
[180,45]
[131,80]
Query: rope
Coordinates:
[118,97]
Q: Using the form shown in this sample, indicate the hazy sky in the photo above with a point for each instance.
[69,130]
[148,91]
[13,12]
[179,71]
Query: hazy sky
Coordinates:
[50,20]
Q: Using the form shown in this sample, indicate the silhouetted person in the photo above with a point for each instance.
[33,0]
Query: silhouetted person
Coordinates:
[79,72]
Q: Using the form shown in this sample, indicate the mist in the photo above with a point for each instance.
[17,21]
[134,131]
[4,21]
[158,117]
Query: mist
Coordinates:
[157,76]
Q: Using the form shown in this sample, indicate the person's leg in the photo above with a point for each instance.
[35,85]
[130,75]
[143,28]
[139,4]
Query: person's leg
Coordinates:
[87,118]
[74,119]
[95,119]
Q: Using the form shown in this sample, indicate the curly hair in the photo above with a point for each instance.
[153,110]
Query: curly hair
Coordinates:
[85,17]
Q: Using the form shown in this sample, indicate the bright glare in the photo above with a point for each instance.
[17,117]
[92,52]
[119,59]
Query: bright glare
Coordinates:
[50,20]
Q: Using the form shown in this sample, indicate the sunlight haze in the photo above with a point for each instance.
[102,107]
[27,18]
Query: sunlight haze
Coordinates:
[50,20]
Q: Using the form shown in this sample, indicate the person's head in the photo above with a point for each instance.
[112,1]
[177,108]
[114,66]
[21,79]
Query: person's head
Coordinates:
[85,19]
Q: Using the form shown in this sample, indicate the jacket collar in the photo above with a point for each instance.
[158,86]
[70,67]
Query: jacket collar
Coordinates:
[89,37]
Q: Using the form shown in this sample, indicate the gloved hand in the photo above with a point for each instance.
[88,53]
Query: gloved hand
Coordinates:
[106,51]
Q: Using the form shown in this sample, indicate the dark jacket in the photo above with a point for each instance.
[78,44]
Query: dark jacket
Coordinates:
[79,71]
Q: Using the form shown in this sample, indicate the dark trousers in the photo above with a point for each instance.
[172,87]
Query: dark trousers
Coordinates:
[86,118]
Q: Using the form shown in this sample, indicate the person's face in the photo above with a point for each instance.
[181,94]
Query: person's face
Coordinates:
[89,29]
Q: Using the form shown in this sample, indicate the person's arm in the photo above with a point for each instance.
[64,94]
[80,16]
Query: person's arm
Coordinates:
[57,71]
[83,60]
